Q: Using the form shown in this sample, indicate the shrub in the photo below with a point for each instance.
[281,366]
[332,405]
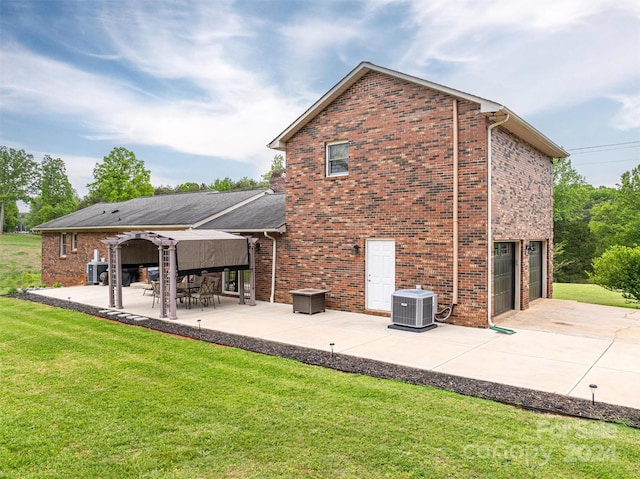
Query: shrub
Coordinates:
[30,278]
[57,284]
[619,269]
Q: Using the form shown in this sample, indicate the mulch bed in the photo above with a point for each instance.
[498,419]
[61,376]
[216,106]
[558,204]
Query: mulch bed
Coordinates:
[513,395]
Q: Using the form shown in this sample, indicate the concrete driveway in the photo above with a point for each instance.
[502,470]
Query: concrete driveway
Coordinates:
[610,334]
[560,346]
[577,319]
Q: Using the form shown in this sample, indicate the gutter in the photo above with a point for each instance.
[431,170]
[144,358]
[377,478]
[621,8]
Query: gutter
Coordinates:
[489,219]
[456,245]
[273,268]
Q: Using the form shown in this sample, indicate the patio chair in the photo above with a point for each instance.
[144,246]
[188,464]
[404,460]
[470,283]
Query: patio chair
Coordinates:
[218,286]
[183,292]
[155,288]
[206,292]
[147,287]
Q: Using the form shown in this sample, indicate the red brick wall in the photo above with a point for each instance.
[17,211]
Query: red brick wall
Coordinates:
[264,256]
[70,270]
[399,187]
[522,201]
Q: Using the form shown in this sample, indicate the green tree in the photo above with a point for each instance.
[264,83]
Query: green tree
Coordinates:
[618,269]
[568,191]
[11,217]
[571,202]
[191,187]
[617,220]
[572,258]
[277,164]
[226,184]
[18,178]
[246,183]
[119,177]
[57,197]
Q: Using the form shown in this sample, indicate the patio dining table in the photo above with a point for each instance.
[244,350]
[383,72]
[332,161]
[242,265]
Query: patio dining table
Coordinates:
[188,288]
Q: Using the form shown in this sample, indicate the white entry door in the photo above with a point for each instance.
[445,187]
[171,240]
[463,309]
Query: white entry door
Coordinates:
[381,273]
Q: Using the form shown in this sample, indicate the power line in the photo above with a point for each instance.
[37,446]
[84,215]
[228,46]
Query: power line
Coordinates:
[603,149]
[614,161]
[604,146]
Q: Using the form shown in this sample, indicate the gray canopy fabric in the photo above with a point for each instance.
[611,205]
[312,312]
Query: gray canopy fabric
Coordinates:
[208,249]
[195,250]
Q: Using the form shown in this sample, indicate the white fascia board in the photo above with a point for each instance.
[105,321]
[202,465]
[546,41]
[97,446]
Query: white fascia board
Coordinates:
[279,143]
[528,133]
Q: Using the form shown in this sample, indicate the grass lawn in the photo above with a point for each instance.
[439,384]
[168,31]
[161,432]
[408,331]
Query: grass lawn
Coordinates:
[83,397]
[590,293]
[19,261]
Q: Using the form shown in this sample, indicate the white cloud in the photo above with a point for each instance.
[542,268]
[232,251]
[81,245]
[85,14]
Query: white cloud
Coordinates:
[530,55]
[116,110]
[628,117]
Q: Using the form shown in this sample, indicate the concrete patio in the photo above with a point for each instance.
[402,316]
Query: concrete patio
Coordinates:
[560,346]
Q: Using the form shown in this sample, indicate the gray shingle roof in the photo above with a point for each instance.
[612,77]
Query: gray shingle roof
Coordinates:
[181,210]
[265,213]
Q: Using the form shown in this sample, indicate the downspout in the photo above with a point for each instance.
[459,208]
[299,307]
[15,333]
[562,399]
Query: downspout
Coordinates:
[273,268]
[456,245]
[489,220]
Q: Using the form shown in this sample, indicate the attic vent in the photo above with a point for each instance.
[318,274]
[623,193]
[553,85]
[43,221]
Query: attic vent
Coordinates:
[115,211]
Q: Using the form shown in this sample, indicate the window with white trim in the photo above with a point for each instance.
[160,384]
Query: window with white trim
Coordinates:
[63,244]
[74,242]
[338,158]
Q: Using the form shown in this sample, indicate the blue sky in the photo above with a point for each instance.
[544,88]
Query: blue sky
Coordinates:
[196,89]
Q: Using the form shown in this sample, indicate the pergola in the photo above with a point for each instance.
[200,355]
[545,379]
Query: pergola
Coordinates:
[179,252]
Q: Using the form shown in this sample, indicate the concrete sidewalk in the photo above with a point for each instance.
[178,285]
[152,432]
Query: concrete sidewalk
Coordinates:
[560,346]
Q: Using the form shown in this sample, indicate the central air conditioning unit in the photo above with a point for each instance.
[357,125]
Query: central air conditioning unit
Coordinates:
[94,269]
[413,309]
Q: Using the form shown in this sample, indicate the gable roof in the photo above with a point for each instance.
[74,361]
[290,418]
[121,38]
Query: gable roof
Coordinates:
[514,123]
[267,211]
[177,211]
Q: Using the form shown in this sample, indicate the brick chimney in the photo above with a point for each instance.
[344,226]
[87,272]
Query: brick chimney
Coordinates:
[277,181]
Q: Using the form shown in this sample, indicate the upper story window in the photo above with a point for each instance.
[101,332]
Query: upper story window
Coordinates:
[74,242]
[338,158]
[63,244]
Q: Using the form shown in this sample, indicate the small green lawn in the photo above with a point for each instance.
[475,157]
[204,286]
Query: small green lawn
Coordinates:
[82,397]
[590,293]
[19,261]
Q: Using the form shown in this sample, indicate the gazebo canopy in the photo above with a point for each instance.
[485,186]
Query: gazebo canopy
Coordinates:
[196,250]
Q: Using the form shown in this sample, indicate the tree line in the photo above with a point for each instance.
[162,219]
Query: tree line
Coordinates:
[120,176]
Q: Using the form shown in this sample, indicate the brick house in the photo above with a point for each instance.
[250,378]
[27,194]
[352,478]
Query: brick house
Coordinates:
[394,181]
[69,242]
